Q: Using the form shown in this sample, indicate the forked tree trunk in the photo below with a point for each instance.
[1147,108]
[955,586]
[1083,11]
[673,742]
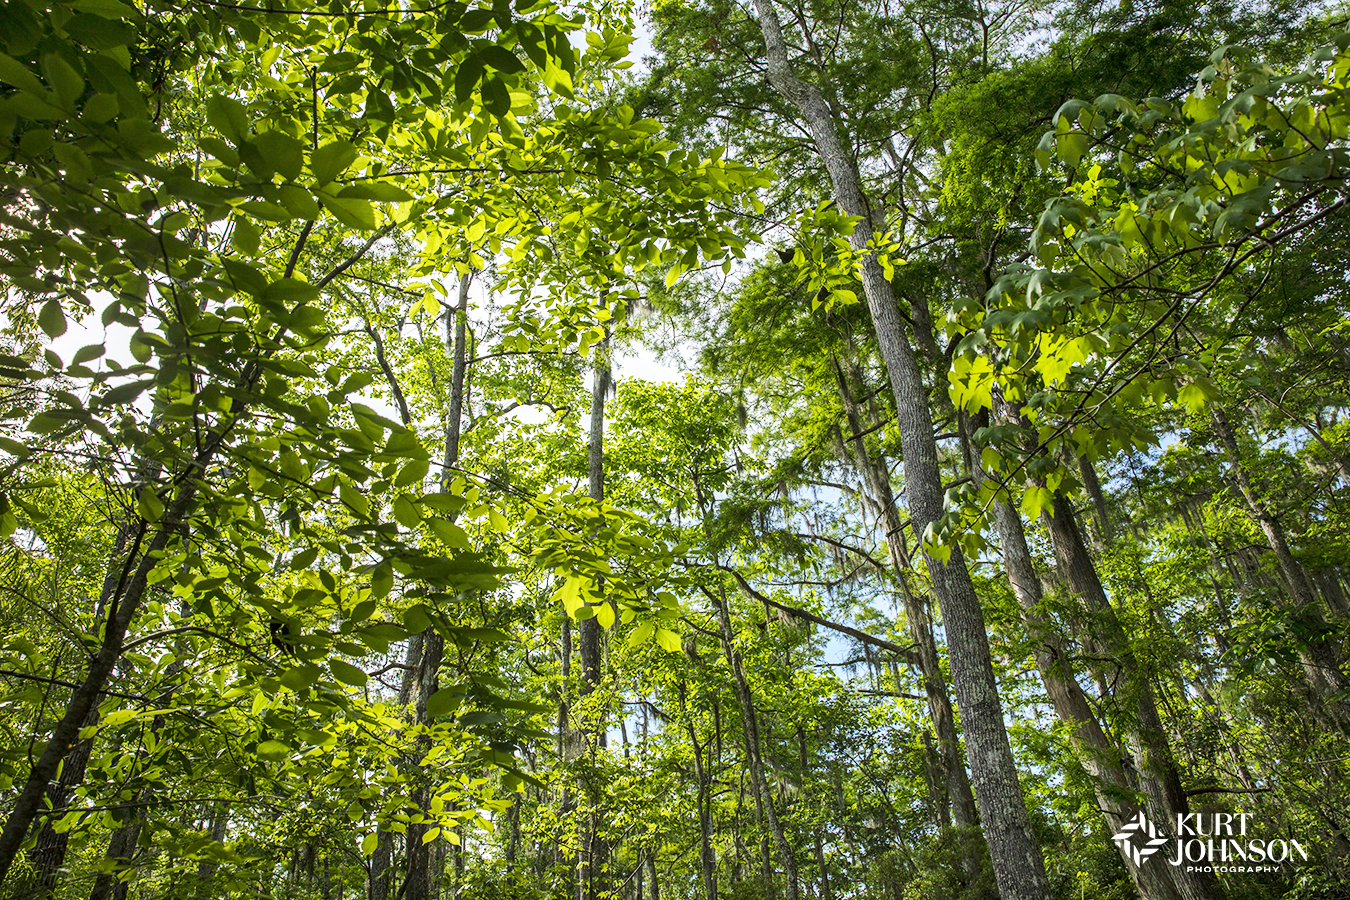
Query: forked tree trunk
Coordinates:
[1156,766]
[1113,785]
[1018,867]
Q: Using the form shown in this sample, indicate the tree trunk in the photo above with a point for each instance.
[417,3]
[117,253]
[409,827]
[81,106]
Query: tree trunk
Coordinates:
[706,854]
[1113,785]
[381,867]
[1157,769]
[123,588]
[1321,663]
[755,763]
[1018,867]
[1103,532]
[590,849]
[49,853]
[420,879]
[960,801]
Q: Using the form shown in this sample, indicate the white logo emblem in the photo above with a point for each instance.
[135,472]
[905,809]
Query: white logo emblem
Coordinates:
[1141,825]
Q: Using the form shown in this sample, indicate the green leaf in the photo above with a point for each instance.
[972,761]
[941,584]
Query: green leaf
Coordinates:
[467,77]
[501,59]
[52,319]
[99,33]
[148,505]
[642,632]
[413,472]
[140,348]
[668,640]
[405,512]
[15,73]
[299,202]
[304,559]
[347,673]
[350,211]
[284,153]
[381,581]
[246,236]
[1195,395]
[68,83]
[1035,500]
[273,750]
[496,96]
[449,533]
[444,702]
[228,117]
[369,843]
[331,160]
[88,352]
[300,678]
[417,618]
[376,190]
[477,20]
[569,595]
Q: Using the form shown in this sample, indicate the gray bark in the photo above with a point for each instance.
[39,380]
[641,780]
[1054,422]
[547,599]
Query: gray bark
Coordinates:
[422,680]
[1114,786]
[591,851]
[1018,866]
[1157,769]
[706,854]
[960,800]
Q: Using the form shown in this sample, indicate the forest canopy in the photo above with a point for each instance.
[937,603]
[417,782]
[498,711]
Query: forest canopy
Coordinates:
[763,450]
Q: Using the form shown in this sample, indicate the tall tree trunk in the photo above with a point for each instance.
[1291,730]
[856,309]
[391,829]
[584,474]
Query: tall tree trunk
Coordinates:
[1112,783]
[1321,663]
[1103,531]
[381,868]
[706,854]
[960,800]
[823,874]
[1157,768]
[755,762]
[123,588]
[591,850]
[420,879]
[49,853]
[1018,867]
[653,891]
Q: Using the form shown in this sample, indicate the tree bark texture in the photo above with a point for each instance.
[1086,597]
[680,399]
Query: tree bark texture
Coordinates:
[960,800]
[123,588]
[1018,866]
[590,851]
[1115,787]
[422,679]
[1157,770]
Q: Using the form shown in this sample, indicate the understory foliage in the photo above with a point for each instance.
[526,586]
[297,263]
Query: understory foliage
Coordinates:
[341,555]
